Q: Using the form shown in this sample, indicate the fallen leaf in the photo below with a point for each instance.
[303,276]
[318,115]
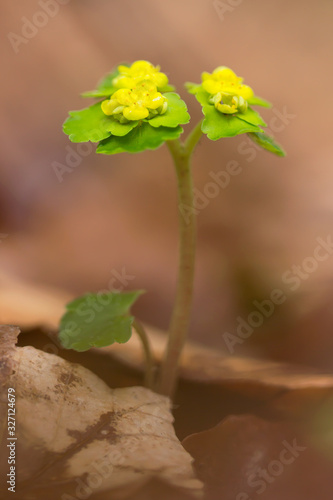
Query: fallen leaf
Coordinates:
[290,389]
[245,457]
[8,338]
[77,437]
[28,305]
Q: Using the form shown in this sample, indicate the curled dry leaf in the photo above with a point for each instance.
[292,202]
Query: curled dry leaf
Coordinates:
[8,338]
[76,437]
[290,390]
[30,305]
[245,457]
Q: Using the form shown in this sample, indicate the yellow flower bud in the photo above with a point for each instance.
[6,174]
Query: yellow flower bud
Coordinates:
[143,101]
[228,103]
[130,77]
[228,93]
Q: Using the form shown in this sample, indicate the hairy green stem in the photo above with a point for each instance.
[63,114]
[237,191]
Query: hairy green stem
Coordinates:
[180,319]
[149,374]
[193,139]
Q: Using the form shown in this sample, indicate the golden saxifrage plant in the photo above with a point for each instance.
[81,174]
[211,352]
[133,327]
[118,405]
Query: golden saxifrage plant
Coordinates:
[137,109]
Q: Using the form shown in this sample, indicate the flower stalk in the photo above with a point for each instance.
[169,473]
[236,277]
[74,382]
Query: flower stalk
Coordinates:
[180,319]
[150,369]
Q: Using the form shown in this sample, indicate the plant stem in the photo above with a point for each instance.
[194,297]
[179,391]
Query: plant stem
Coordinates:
[180,319]
[193,139]
[149,374]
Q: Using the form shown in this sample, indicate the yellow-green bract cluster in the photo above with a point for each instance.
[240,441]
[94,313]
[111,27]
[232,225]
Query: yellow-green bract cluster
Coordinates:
[138,96]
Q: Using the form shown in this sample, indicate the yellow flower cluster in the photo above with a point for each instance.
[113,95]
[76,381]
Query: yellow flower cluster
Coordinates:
[137,96]
[228,94]
[129,77]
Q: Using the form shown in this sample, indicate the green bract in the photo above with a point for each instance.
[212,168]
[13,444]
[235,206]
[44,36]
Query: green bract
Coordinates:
[104,87]
[267,142]
[97,320]
[243,120]
[116,134]
[91,124]
[142,137]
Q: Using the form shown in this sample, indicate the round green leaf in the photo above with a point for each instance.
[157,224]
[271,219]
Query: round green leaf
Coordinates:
[97,94]
[192,88]
[258,101]
[217,125]
[202,96]
[141,138]
[267,142]
[120,129]
[97,320]
[91,124]
[175,115]
[251,116]
[104,87]
[166,88]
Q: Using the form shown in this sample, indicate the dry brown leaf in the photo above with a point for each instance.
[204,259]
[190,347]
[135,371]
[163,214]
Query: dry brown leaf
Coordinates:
[8,338]
[76,436]
[28,305]
[245,457]
[291,390]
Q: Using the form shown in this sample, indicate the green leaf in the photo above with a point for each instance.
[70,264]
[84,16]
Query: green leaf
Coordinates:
[97,94]
[257,101]
[202,97]
[121,129]
[97,320]
[175,115]
[192,88]
[217,125]
[142,137]
[267,142]
[104,87]
[91,124]
[251,116]
[166,88]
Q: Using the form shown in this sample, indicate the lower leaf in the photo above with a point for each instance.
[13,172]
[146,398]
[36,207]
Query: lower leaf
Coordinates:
[141,138]
[217,125]
[97,320]
[267,142]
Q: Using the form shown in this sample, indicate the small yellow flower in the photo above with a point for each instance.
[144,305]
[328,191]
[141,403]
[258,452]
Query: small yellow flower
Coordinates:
[228,103]
[143,101]
[225,80]
[139,71]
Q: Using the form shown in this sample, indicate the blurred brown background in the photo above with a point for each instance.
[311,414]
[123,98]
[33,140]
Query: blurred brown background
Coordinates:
[118,214]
